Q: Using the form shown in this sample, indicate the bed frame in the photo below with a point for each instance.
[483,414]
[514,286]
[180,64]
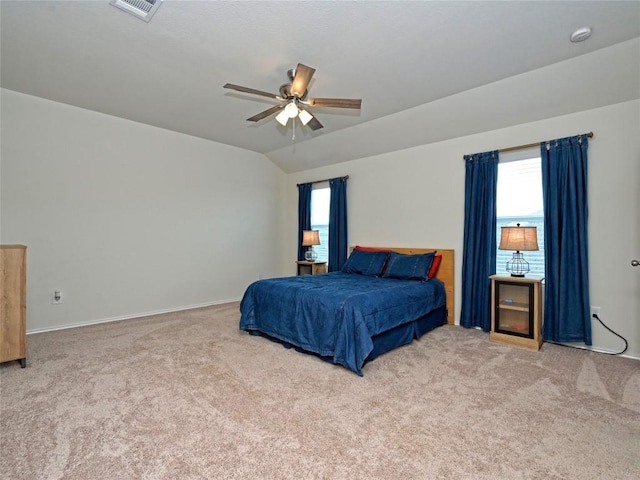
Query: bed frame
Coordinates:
[445,272]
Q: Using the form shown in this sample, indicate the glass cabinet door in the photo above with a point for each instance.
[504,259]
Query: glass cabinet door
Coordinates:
[514,308]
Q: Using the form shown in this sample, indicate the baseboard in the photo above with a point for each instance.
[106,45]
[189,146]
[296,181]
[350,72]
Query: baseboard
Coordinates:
[129,317]
[595,350]
[609,352]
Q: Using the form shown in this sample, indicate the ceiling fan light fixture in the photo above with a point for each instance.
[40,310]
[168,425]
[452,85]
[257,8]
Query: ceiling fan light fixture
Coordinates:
[291,110]
[305,117]
[283,117]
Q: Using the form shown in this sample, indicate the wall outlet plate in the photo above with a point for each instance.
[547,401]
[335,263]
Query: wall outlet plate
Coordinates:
[56,298]
[595,311]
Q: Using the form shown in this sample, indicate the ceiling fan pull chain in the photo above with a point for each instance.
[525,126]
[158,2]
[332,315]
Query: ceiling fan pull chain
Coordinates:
[293,124]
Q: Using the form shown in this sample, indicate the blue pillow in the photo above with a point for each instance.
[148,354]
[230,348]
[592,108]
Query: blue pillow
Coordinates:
[409,267]
[365,263]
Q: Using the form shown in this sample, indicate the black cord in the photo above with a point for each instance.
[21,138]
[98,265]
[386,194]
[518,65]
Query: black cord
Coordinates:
[626,344]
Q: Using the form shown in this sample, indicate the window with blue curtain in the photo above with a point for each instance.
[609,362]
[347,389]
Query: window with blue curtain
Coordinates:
[337,231]
[567,316]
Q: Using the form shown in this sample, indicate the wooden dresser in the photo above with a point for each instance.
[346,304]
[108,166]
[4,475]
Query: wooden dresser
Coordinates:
[13,304]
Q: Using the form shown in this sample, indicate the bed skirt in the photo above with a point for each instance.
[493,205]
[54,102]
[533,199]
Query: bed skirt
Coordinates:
[404,334]
[385,341]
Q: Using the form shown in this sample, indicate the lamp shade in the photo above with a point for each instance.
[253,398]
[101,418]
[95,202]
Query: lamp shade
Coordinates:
[304,116]
[283,118]
[521,239]
[310,237]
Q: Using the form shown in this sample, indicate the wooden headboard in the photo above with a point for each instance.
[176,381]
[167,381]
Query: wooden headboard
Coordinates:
[445,273]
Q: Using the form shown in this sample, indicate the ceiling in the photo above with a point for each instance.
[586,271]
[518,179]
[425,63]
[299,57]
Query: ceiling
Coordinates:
[411,63]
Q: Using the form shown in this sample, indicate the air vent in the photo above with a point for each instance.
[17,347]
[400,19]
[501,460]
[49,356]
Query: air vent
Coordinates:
[143,9]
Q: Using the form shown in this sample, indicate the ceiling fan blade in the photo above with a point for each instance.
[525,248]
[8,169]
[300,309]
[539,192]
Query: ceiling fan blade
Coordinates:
[335,102]
[314,124]
[301,80]
[265,114]
[251,90]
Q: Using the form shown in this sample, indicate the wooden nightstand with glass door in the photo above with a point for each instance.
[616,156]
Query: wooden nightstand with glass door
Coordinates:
[311,268]
[516,311]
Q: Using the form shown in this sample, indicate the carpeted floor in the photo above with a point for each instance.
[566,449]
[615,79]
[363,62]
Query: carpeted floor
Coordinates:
[189,396]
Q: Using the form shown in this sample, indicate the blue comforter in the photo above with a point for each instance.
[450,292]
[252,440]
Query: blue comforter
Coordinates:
[337,314]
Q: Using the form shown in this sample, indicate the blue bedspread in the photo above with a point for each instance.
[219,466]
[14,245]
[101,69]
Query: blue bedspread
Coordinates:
[336,314]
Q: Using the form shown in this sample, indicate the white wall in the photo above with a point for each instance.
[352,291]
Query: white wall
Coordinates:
[415,198]
[127,219]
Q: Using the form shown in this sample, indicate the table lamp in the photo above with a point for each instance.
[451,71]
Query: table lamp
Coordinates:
[309,239]
[520,239]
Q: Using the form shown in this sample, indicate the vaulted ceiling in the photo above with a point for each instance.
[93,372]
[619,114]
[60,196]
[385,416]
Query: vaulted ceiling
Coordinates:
[414,64]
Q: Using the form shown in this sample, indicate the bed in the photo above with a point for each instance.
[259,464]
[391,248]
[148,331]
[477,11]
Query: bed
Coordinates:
[353,316]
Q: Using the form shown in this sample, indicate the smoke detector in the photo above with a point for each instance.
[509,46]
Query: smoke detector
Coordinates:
[581,34]
[142,9]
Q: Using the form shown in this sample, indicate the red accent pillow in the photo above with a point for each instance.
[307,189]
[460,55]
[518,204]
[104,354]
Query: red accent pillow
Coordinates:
[371,249]
[434,267]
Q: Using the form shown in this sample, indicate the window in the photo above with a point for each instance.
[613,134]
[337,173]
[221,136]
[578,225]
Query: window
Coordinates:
[320,196]
[519,200]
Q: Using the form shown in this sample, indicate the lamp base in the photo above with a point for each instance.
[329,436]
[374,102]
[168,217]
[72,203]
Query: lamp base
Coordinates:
[310,255]
[517,266]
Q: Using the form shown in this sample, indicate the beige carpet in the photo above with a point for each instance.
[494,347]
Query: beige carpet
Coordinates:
[189,396]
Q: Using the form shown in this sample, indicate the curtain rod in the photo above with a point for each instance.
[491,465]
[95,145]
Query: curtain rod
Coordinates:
[346,177]
[528,145]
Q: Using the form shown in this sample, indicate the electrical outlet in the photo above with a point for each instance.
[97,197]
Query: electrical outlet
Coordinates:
[595,311]
[57,297]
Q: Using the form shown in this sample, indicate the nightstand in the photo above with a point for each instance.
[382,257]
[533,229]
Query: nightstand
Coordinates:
[516,311]
[311,268]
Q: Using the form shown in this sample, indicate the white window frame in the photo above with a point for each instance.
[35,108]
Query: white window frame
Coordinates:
[515,156]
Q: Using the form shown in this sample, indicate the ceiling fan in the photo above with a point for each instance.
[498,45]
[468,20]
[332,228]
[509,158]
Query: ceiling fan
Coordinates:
[294,98]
